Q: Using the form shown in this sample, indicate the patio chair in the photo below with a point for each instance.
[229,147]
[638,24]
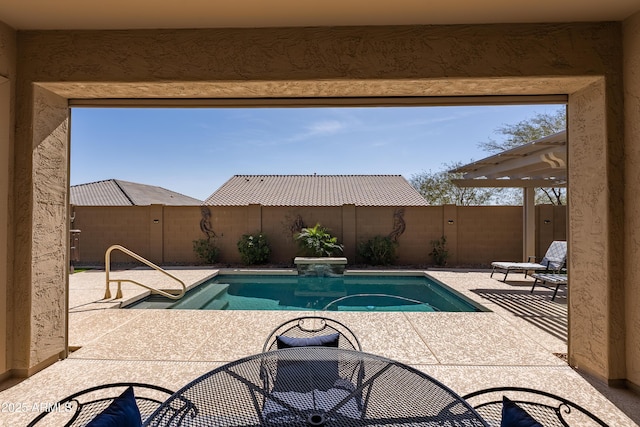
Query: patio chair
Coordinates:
[554,260]
[311,330]
[80,408]
[549,281]
[524,404]
[337,376]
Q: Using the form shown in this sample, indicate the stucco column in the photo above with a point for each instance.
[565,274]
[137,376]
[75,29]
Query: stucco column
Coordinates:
[349,225]
[528,222]
[596,294]
[39,305]
[7,122]
[631,196]
[156,234]
[450,228]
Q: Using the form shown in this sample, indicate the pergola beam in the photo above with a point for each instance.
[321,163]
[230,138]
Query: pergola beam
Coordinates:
[509,183]
[552,158]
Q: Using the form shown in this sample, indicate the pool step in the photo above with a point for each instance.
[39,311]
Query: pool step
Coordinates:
[216,305]
[153,301]
[200,297]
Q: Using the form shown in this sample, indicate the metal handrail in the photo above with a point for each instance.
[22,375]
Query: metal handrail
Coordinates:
[107,267]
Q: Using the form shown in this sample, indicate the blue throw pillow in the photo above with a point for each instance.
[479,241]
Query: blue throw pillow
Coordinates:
[122,412]
[515,416]
[330,340]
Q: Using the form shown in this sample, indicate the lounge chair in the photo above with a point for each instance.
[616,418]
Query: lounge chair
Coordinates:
[549,280]
[554,260]
[520,403]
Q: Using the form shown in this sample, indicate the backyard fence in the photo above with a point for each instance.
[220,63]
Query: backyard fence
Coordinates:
[475,235]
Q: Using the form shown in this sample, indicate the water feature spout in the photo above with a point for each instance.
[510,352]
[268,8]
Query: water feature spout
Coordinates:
[320,266]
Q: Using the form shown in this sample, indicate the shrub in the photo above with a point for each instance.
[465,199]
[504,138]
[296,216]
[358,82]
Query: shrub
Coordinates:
[206,250]
[254,249]
[317,241]
[379,250]
[439,251]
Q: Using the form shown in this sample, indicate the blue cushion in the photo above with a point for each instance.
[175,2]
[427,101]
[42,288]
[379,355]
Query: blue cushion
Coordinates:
[330,340]
[304,376]
[122,412]
[515,416]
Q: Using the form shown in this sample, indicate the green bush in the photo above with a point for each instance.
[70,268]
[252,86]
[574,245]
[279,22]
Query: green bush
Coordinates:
[206,250]
[379,250]
[439,251]
[254,249]
[316,241]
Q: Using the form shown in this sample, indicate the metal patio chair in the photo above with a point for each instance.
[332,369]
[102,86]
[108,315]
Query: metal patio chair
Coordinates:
[80,408]
[546,408]
[312,326]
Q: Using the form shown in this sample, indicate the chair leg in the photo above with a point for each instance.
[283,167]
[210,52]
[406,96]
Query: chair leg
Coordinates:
[555,292]
[492,271]
[505,276]
[535,282]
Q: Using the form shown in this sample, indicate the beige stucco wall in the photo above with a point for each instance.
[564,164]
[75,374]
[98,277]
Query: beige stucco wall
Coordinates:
[101,227]
[631,66]
[477,236]
[7,123]
[181,226]
[581,60]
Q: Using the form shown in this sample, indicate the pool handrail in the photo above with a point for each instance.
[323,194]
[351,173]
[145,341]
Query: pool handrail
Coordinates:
[378,295]
[107,267]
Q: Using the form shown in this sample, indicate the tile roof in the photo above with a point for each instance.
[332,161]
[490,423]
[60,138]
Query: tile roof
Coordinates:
[316,190]
[114,192]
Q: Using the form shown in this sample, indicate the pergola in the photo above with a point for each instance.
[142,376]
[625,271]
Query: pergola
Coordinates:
[539,164]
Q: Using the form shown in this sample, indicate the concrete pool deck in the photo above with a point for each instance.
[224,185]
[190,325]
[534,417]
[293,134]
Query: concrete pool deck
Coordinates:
[517,343]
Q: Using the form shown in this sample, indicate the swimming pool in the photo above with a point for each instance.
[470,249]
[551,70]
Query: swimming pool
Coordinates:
[340,293]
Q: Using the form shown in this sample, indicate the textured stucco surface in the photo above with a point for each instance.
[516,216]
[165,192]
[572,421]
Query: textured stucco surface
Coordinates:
[583,60]
[7,101]
[632,201]
[591,251]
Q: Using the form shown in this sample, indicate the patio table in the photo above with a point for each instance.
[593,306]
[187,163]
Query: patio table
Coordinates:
[315,386]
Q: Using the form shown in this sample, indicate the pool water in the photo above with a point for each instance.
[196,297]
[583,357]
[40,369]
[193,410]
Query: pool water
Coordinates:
[340,293]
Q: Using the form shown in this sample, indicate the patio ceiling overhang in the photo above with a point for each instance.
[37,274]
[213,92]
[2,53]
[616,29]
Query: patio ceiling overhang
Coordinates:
[540,163]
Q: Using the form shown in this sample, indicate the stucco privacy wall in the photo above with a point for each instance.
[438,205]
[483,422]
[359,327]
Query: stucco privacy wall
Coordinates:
[478,235]
[582,60]
[632,199]
[7,100]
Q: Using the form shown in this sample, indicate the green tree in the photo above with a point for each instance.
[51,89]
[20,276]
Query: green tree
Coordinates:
[438,188]
[525,131]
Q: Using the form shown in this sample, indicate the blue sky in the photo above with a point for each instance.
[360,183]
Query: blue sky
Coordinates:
[195,150]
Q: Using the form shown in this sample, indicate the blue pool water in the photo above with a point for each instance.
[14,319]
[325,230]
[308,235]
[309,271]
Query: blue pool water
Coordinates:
[342,293]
